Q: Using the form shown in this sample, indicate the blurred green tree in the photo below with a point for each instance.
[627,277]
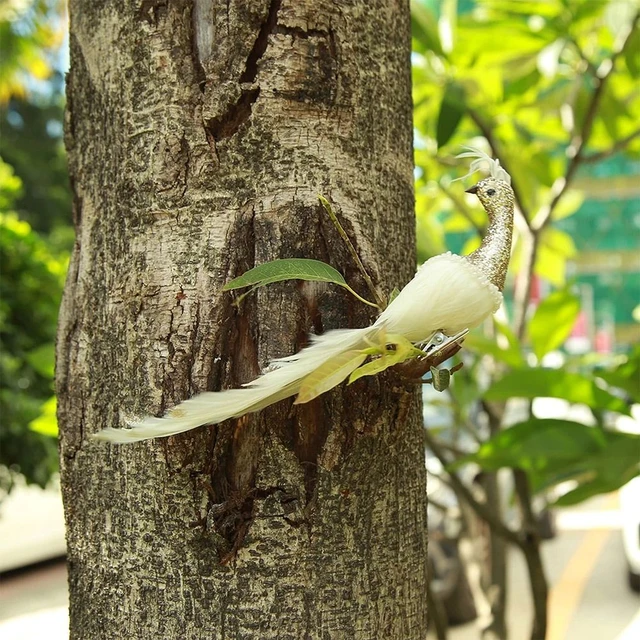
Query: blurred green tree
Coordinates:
[30,291]
[34,197]
[547,87]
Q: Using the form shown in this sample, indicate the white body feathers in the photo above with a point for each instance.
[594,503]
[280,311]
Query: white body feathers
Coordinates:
[447,293]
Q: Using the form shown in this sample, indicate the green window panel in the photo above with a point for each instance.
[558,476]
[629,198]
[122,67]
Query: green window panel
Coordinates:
[604,225]
[612,167]
[614,294]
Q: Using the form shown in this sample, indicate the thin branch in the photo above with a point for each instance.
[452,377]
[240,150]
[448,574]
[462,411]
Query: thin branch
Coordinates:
[531,550]
[619,145]
[577,147]
[580,139]
[461,489]
[590,66]
[380,302]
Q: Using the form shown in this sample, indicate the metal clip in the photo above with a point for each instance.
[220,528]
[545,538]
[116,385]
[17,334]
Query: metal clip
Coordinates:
[439,341]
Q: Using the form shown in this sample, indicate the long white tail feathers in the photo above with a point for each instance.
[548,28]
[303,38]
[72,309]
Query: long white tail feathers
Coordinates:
[283,381]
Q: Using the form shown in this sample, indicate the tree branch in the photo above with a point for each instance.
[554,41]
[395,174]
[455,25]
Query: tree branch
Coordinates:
[460,488]
[576,150]
[531,549]
[580,139]
[619,145]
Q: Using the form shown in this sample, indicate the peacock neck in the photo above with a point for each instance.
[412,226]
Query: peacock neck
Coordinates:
[492,257]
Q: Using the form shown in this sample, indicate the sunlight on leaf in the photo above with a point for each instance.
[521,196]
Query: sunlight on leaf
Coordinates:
[555,383]
[553,321]
[46,423]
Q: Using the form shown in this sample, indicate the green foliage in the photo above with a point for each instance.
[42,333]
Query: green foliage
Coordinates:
[555,383]
[30,291]
[30,30]
[34,196]
[553,321]
[553,451]
[31,142]
[624,375]
[46,423]
[525,73]
[500,350]
[535,80]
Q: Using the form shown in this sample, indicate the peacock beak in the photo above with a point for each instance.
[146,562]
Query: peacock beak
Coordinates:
[473,189]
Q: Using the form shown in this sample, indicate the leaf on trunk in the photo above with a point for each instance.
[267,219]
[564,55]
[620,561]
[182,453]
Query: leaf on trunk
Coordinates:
[290,269]
[286,269]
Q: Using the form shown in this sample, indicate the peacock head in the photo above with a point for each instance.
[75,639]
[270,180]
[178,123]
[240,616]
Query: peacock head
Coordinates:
[494,194]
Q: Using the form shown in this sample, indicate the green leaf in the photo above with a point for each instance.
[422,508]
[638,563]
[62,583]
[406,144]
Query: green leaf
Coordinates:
[46,423]
[626,375]
[553,321]
[488,346]
[287,269]
[570,202]
[552,451]
[607,469]
[537,446]
[507,349]
[290,269]
[632,52]
[555,247]
[424,28]
[555,383]
[471,245]
[451,112]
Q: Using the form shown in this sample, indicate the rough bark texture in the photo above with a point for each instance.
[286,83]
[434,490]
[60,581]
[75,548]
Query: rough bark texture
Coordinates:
[199,133]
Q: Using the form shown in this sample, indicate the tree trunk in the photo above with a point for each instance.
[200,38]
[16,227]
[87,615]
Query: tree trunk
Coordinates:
[199,135]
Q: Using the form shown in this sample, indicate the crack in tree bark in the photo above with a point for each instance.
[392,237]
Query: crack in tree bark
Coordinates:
[151,10]
[260,45]
[227,124]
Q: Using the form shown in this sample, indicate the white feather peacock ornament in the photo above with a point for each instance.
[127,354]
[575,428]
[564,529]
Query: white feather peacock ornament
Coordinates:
[449,295]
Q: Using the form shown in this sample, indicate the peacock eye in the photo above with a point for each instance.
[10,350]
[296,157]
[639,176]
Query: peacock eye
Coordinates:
[491,192]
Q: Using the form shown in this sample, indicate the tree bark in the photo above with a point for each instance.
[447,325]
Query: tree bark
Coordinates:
[199,134]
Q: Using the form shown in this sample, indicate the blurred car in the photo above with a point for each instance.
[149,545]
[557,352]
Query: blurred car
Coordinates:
[630,512]
[630,507]
[31,526]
